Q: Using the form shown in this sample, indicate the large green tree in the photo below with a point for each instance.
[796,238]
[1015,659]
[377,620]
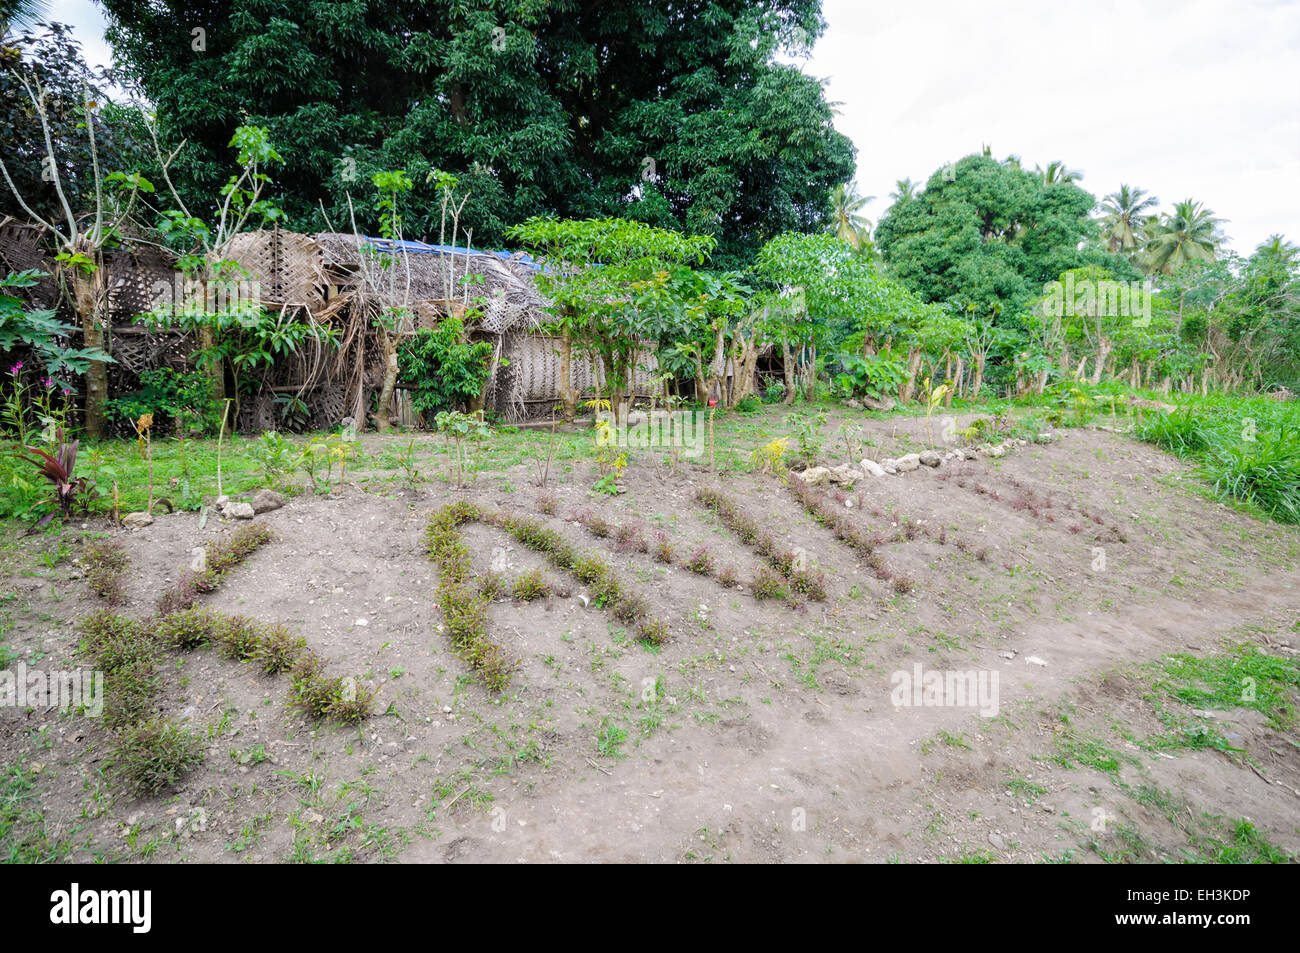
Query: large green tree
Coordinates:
[987,235]
[678,115]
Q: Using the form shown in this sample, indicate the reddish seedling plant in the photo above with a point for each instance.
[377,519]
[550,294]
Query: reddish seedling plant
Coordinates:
[59,469]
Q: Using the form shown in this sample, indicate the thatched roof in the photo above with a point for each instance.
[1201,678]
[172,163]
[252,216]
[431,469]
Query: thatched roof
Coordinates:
[421,275]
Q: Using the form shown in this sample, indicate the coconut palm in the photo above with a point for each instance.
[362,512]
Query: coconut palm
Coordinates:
[1277,247]
[1189,233]
[22,14]
[1125,219]
[906,189]
[846,222]
[1056,173]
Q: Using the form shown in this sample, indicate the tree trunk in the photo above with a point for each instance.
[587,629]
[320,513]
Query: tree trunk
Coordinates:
[1103,352]
[913,366]
[567,397]
[787,368]
[385,402]
[86,293]
[978,382]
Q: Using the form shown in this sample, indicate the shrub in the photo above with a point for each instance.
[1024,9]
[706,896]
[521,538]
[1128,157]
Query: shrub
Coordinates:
[530,585]
[492,586]
[700,561]
[106,562]
[115,643]
[767,585]
[238,637]
[653,631]
[279,650]
[154,754]
[663,548]
[189,628]
[547,503]
[727,577]
[225,555]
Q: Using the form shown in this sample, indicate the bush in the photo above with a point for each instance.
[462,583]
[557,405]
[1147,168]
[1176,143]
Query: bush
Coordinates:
[154,754]
[444,369]
[106,562]
[531,585]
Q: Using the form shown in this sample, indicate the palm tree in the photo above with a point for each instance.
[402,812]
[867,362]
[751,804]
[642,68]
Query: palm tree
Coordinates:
[1125,219]
[907,189]
[1277,247]
[1056,173]
[22,14]
[1189,233]
[846,223]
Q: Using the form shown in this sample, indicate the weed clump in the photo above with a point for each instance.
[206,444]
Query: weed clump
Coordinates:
[700,561]
[106,563]
[154,754]
[530,586]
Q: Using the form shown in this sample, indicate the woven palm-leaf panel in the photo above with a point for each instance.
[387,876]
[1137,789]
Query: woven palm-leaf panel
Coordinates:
[20,250]
[259,413]
[288,267]
[328,404]
[139,278]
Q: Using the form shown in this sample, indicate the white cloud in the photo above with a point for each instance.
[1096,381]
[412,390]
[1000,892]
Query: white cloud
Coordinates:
[1184,99]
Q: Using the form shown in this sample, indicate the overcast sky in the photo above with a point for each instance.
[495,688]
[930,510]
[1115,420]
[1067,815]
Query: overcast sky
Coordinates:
[1184,98]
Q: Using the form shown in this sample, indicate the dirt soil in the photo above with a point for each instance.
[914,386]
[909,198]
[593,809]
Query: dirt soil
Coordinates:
[759,732]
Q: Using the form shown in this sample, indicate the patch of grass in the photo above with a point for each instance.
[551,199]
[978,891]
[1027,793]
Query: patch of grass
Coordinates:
[154,754]
[530,585]
[106,562]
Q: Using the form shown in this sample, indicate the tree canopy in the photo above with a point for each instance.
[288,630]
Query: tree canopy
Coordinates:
[678,115]
[989,234]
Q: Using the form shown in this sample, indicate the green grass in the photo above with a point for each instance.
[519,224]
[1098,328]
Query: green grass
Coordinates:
[24,831]
[1246,448]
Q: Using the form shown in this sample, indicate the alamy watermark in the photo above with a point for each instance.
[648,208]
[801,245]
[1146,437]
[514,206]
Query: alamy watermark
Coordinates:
[946,689]
[658,428]
[1088,298]
[22,687]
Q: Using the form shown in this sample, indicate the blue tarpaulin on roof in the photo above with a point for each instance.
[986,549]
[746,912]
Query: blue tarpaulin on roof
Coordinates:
[421,248]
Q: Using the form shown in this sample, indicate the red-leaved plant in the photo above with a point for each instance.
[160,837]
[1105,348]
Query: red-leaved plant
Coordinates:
[59,469]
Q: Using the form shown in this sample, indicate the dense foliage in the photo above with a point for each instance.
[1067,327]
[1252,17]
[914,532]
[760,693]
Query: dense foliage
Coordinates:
[678,115]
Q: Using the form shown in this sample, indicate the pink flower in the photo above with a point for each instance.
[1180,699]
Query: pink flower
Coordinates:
[16,368]
[67,391]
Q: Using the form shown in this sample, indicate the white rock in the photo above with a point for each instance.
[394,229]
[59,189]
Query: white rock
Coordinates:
[136,520]
[930,458]
[1034,660]
[814,476]
[239,511]
[911,461]
[872,468]
[199,559]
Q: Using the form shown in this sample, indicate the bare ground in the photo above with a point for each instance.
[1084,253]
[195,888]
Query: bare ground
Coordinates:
[759,732]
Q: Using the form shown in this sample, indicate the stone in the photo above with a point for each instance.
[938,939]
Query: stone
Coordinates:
[872,468]
[199,559]
[997,450]
[853,404]
[969,453]
[845,474]
[910,461]
[267,500]
[930,458]
[881,404]
[136,520]
[814,476]
[239,511]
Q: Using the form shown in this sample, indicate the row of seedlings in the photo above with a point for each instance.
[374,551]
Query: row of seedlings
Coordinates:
[464,608]
[591,569]
[786,563]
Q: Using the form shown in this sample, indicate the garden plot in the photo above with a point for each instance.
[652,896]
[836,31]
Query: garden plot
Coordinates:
[745,728]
